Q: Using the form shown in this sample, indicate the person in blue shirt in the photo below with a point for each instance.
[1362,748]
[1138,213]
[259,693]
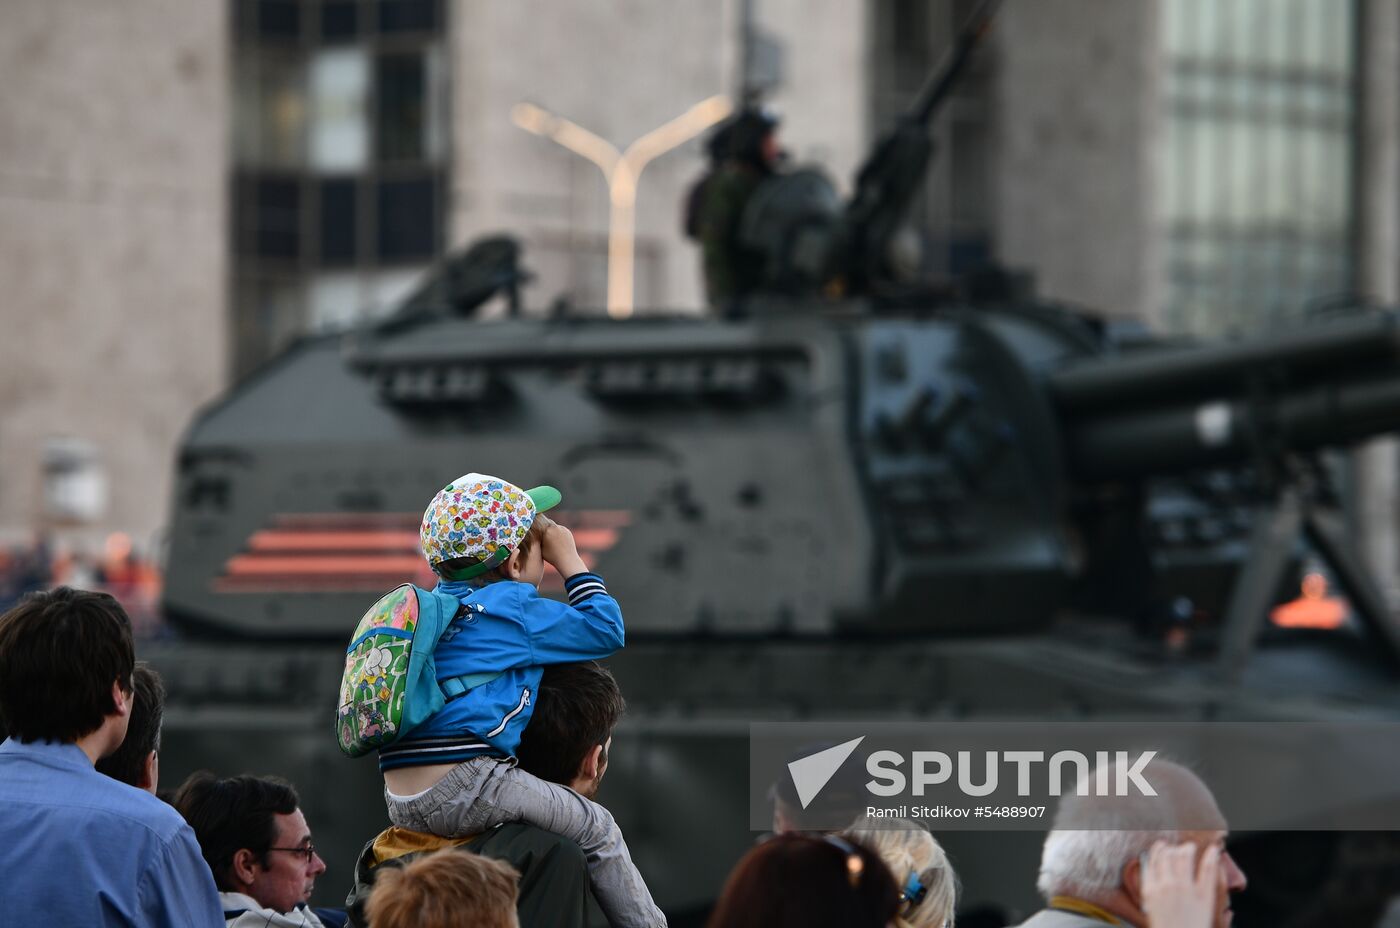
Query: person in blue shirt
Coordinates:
[78,847]
[455,774]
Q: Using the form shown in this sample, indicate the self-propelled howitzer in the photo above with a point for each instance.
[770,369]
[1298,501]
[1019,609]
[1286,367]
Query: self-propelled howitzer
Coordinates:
[828,511]
[883,506]
[838,470]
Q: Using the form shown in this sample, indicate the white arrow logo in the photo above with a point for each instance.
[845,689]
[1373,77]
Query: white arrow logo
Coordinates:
[814,771]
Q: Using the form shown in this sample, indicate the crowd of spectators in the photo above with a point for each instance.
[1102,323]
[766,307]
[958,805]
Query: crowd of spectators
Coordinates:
[85,840]
[38,563]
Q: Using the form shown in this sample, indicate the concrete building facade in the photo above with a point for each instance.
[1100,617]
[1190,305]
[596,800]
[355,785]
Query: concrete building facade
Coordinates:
[113,257]
[126,152]
[1077,118]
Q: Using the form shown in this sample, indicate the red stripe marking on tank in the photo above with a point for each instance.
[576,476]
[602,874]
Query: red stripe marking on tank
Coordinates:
[262,565]
[595,539]
[274,540]
[362,583]
[339,520]
[578,519]
[312,552]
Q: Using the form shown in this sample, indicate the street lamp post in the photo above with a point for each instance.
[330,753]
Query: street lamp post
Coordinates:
[621,170]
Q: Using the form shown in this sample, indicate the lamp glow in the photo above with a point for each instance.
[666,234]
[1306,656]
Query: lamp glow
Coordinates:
[622,170]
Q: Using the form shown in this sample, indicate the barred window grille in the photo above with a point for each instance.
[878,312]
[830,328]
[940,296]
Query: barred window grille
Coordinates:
[1257,171]
[340,162]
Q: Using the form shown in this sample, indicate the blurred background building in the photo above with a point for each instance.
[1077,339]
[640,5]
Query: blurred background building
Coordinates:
[185,188]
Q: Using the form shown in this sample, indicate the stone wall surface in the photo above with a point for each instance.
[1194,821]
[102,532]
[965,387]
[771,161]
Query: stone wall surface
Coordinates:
[112,246]
[1077,127]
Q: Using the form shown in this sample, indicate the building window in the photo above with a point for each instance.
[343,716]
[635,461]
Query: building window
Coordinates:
[75,482]
[340,162]
[1257,174]
[339,103]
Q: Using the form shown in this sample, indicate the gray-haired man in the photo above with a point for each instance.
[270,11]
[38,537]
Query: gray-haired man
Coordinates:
[1091,866]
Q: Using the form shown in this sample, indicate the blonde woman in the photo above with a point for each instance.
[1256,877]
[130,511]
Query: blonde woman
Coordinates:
[928,886]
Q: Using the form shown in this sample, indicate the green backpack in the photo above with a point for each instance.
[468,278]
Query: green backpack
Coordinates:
[390,682]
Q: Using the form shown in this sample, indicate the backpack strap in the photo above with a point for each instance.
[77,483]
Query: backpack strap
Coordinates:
[460,686]
[457,686]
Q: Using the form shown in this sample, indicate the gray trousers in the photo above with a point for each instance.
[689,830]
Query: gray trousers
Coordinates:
[486,791]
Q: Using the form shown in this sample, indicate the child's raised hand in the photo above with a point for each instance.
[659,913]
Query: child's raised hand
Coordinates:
[557,546]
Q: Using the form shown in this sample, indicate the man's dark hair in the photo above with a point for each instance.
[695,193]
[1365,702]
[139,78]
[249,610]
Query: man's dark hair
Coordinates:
[232,814]
[576,708]
[60,653]
[128,762]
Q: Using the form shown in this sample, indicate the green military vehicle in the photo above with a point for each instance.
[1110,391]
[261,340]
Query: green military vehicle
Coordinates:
[857,499]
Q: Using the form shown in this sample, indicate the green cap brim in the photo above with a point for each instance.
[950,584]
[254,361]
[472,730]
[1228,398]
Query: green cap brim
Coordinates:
[544,498]
[476,570]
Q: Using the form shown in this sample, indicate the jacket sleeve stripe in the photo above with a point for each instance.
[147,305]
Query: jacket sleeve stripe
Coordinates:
[582,586]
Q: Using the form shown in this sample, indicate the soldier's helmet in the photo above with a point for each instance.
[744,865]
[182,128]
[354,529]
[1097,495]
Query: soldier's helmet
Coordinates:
[741,137]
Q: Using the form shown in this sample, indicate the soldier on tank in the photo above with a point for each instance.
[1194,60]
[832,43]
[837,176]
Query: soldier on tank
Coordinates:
[717,150]
[744,152]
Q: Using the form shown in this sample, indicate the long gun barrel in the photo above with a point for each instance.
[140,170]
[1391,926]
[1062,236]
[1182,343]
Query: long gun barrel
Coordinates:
[1172,410]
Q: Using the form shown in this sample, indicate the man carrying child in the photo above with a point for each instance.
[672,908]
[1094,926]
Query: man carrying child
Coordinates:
[455,774]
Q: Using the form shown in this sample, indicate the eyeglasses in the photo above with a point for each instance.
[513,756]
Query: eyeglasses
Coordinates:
[855,866]
[308,852]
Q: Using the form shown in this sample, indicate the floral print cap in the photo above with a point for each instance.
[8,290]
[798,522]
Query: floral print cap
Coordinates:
[480,517]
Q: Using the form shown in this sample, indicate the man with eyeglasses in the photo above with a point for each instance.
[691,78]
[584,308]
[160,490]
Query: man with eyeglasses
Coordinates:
[77,847]
[257,844]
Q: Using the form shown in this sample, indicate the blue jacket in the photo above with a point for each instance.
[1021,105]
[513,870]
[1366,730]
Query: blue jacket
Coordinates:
[79,848]
[505,626]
